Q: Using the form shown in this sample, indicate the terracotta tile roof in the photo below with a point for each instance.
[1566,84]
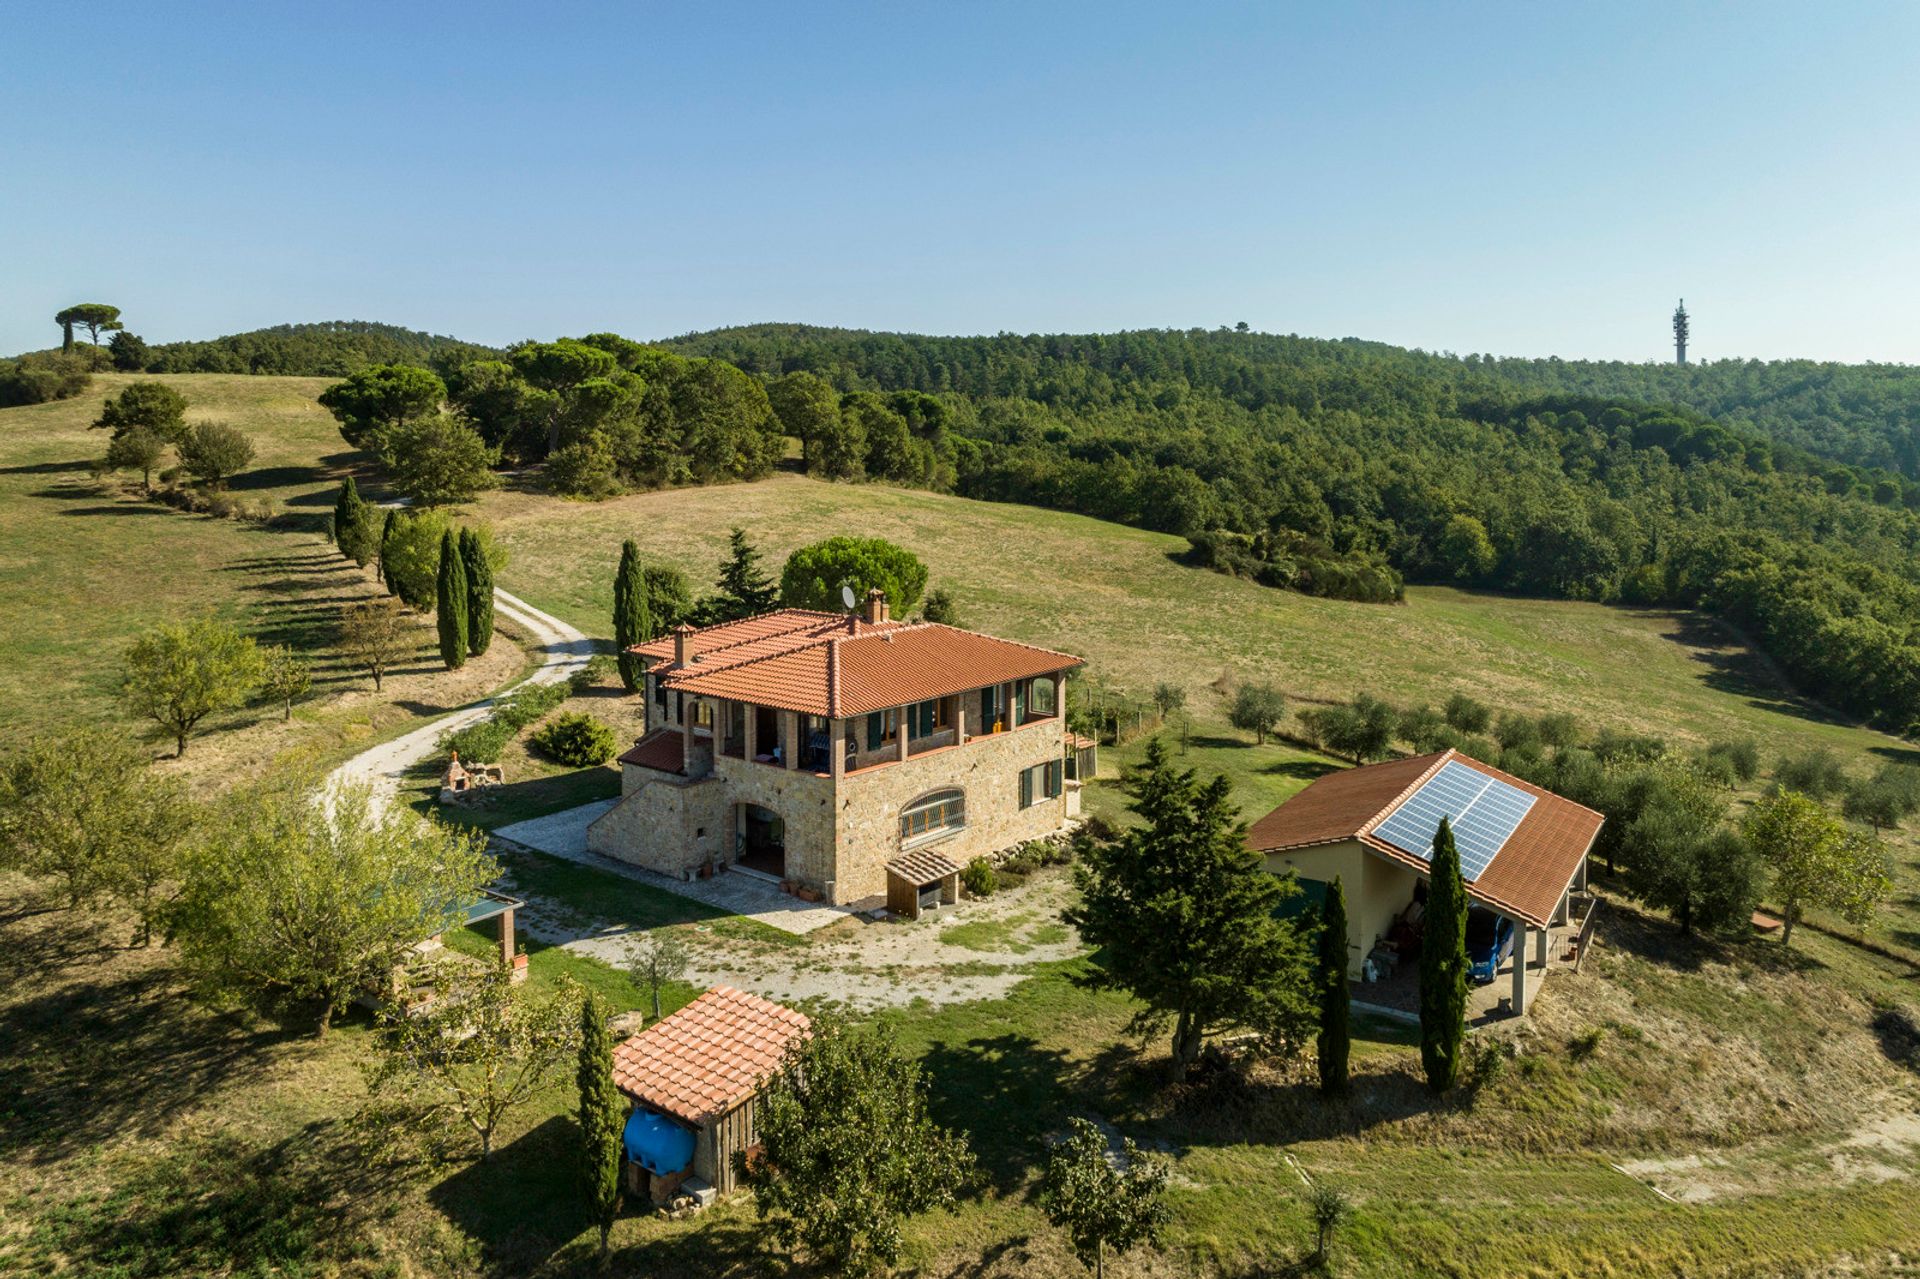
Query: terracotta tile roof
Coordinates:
[826,664]
[663,748]
[710,1056]
[1526,877]
[921,867]
[1080,741]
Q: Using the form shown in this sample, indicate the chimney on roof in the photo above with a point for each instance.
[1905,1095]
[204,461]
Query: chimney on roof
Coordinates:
[876,609]
[682,641]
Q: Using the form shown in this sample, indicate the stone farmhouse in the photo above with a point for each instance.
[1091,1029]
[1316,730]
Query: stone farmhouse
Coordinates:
[850,756]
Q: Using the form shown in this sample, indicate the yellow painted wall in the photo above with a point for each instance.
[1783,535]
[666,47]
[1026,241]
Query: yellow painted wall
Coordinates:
[1377,890]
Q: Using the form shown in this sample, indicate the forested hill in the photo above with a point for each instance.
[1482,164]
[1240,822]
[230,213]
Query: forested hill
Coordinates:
[1865,415]
[333,348]
[1339,466]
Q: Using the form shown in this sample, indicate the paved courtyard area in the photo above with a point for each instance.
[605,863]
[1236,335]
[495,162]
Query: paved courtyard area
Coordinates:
[565,835]
[977,949]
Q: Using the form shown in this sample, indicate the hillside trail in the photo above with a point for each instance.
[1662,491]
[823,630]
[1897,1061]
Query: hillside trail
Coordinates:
[563,651]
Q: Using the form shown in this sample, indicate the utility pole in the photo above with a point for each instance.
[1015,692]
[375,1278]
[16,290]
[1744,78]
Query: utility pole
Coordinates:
[1680,331]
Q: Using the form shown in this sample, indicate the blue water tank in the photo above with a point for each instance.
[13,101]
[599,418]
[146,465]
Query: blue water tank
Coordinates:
[657,1143]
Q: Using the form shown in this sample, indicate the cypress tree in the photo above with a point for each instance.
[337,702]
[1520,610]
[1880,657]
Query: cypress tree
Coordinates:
[1335,1039]
[388,528]
[632,614]
[600,1117]
[349,515]
[1443,966]
[473,556]
[450,605]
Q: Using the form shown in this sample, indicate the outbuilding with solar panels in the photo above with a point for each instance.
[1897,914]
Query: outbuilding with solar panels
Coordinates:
[1523,856]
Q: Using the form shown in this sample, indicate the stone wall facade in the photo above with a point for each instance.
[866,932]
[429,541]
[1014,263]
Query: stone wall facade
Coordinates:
[839,833]
[987,768]
[663,823]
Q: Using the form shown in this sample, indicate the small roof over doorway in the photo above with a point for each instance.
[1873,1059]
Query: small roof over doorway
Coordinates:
[922,867]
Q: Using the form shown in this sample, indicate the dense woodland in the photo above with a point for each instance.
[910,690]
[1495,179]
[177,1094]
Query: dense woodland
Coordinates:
[1332,465]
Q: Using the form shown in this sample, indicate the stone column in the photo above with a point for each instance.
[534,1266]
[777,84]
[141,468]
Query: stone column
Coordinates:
[686,735]
[506,937]
[900,725]
[836,748]
[1540,947]
[959,718]
[750,729]
[1520,970]
[1580,876]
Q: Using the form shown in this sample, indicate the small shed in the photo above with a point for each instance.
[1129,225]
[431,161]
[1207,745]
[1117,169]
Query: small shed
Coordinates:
[921,880]
[694,1078]
[1083,757]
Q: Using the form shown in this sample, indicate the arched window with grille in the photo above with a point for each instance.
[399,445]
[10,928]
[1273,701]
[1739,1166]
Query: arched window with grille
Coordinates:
[933,815]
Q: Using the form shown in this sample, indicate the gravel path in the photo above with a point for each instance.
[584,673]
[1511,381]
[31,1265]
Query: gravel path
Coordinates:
[563,650]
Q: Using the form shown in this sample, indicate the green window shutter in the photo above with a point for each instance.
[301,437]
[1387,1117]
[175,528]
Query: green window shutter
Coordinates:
[1026,788]
[876,728]
[928,712]
[1053,780]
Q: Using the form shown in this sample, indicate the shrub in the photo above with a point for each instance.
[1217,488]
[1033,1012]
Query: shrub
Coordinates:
[482,743]
[1816,772]
[979,878]
[577,739]
[1741,758]
[1467,715]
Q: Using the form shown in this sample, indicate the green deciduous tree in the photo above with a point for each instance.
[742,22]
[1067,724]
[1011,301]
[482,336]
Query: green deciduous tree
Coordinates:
[660,961]
[150,406]
[1466,552]
[178,673]
[1257,709]
[1466,715]
[377,399]
[214,452]
[85,808]
[1817,862]
[632,615]
[744,588]
[601,1116]
[559,369]
[291,901]
[1335,1041]
[450,605]
[139,450]
[1184,913]
[436,459]
[814,574]
[809,410]
[1102,1203]
[850,1151]
[479,568]
[1443,965]
[482,1048]
[285,678]
[410,562]
[375,634]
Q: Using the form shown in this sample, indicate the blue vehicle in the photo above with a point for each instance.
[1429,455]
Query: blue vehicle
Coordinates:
[1489,942]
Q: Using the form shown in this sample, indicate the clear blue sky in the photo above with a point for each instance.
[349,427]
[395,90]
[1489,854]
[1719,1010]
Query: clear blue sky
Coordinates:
[1524,179]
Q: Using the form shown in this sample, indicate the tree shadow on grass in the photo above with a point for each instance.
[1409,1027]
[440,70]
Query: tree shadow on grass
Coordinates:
[522,1204]
[1304,769]
[1898,1033]
[274,477]
[48,468]
[128,508]
[112,1048]
[1737,669]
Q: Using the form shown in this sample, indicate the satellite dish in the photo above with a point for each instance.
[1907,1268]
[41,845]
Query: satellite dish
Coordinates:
[846,595]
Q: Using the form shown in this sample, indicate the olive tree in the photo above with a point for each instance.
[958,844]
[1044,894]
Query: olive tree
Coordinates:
[179,673]
[1103,1202]
[304,899]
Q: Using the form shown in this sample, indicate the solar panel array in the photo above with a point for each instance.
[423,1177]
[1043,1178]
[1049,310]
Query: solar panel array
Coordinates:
[1484,812]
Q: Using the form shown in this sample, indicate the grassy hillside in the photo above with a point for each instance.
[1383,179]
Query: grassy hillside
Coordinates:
[1117,596]
[86,565]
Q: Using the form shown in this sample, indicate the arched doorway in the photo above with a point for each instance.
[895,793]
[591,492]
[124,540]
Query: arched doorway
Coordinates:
[763,841]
